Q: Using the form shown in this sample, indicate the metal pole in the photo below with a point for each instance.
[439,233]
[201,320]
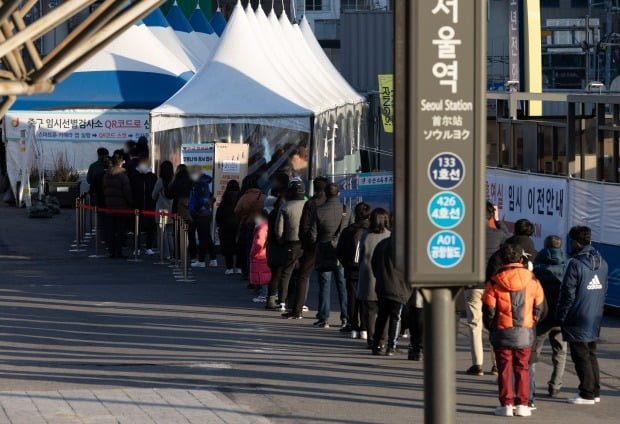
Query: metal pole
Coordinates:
[77,246]
[439,356]
[90,216]
[184,251]
[136,236]
[162,230]
[96,255]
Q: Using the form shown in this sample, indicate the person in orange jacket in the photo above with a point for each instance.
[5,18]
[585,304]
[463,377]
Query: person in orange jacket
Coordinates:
[513,301]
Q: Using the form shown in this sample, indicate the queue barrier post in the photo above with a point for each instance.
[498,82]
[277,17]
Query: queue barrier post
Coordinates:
[136,237]
[183,274]
[162,233]
[90,215]
[77,247]
[97,241]
[83,235]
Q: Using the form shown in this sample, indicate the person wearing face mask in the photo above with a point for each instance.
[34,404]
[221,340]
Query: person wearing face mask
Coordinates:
[201,210]
[143,181]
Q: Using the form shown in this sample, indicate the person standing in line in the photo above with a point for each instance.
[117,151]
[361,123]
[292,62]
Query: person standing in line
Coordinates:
[331,218]
[260,274]
[276,253]
[142,184]
[392,292]
[378,230]
[580,311]
[496,235]
[117,194]
[308,258]
[349,257]
[179,190]
[201,209]
[251,201]
[287,231]
[96,168]
[416,325]
[513,301]
[228,227]
[164,203]
[549,269]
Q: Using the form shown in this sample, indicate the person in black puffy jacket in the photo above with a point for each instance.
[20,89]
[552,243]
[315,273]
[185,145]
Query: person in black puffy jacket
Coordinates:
[117,195]
[228,227]
[580,311]
[349,256]
[392,291]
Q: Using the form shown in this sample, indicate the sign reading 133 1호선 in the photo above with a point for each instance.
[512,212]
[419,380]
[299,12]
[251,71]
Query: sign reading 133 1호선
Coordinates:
[444,162]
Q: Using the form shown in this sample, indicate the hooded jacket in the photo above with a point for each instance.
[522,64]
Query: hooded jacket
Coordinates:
[390,284]
[582,296]
[549,269]
[307,219]
[349,248]
[287,222]
[200,198]
[512,303]
[367,280]
[260,274]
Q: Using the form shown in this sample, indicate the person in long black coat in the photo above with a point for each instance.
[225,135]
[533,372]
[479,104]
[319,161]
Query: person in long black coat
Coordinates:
[228,227]
[142,183]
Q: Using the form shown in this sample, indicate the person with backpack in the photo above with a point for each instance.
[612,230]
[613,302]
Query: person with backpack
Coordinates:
[201,210]
[580,311]
[349,257]
[513,301]
[331,218]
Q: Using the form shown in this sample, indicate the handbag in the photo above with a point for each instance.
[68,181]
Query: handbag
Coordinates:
[327,252]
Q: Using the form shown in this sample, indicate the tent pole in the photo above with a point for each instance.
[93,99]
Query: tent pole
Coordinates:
[311,150]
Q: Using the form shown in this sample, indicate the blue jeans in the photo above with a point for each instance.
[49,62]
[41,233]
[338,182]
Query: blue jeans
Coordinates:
[325,296]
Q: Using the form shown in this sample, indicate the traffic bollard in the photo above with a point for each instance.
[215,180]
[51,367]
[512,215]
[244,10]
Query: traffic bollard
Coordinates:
[136,237]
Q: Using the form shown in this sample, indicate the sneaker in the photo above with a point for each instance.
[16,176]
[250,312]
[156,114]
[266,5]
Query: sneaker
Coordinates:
[198,264]
[193,260]
[305,309]
[229,272]
[321,324]
[281,307]
[504,411]
[597,400]
[391,351]
[364,335]
[355,334]
[292,315]
[532,406]
[377,350]
[493,370]
[213,263]
[581,401]
[553,393]
[149,252]
[260,299]
[344,323]
[346,329]
[476,370]
[238,271]
[522,411]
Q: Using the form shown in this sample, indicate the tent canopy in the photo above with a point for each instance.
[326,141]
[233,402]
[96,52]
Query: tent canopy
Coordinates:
[218,22]
[134,71]
[203,28]
[186,33]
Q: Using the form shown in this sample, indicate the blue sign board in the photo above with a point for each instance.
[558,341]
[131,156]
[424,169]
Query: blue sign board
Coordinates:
[446,249]
[446,171]
[446,210]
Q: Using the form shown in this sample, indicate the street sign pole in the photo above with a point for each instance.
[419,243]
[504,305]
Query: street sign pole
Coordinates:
[439,184]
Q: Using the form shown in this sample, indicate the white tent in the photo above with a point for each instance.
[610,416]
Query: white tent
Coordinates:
[186,34]
[263,85]
[156,22]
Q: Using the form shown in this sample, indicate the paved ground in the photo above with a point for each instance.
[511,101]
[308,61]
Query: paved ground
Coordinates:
[97,341]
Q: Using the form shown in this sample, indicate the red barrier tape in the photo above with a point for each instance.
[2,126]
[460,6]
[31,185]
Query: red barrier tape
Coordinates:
[125,211]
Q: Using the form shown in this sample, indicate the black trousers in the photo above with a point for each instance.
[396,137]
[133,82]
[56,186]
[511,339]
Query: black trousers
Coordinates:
[276,275]
[353,304]
[368,318]
[147,227]
[415,322]
[586,366]
[202,226]
[293,253]
[246,234]
[389,314]
[117,226]
[302,280]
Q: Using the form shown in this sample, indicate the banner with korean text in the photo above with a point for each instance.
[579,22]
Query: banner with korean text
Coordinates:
[541,199]
[75,134]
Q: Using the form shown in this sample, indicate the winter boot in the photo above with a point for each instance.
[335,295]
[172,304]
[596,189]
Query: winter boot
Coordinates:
[271,303]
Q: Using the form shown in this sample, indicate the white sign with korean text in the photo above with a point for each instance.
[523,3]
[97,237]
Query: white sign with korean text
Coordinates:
[540,199]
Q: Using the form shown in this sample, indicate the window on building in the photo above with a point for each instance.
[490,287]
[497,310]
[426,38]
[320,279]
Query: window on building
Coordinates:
[579,4]
[316,5]
[549,3]
[355,4]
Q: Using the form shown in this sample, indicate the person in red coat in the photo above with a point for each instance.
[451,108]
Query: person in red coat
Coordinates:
[260,273]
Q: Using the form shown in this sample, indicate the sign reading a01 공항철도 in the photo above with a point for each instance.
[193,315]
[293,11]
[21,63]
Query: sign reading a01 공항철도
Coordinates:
[440,149]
